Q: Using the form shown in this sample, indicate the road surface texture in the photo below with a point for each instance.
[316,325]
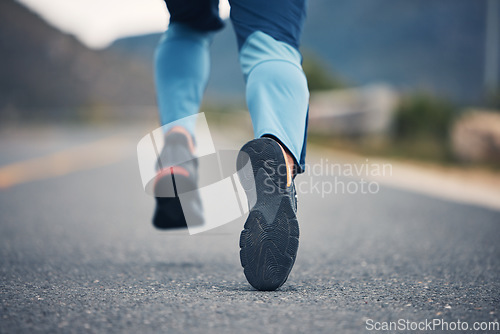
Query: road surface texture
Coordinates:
[78,253]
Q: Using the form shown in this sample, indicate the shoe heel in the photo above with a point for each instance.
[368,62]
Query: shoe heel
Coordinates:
[266,154]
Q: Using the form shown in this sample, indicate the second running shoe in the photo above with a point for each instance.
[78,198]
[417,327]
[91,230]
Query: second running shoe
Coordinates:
[177,173]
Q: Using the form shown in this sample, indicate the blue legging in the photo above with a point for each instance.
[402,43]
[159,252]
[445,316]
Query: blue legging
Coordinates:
[268,34]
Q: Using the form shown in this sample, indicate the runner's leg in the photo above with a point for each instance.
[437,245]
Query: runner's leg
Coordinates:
[277,96]
[182,62]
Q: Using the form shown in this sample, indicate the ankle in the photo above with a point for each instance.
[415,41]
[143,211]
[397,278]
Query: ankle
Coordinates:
[290,164]
[185,132]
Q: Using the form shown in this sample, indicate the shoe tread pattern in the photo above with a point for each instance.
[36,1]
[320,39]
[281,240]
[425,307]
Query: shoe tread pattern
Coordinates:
[270,239]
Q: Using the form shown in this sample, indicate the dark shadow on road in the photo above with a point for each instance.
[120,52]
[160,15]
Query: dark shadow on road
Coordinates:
[165,266]
[249,288]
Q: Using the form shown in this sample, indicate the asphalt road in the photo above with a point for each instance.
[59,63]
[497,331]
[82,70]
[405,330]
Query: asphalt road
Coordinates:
[78,254]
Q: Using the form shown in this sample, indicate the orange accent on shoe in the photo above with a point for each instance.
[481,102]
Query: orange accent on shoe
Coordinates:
[181,129]
[288,168]
[178,170]
[174,170]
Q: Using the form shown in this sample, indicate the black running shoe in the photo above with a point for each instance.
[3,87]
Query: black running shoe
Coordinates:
[177,173]
[270,240]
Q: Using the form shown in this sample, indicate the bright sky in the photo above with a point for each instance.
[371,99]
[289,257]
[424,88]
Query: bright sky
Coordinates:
[97,23]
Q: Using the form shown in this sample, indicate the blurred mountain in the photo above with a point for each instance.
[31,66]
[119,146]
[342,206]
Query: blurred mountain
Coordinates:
[433,45]
[45,72]
[436,46]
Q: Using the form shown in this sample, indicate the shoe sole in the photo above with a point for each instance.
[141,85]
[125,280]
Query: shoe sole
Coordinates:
[270,239]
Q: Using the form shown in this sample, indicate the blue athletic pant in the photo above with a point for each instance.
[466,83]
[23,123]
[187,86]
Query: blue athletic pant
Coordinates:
[268,34]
